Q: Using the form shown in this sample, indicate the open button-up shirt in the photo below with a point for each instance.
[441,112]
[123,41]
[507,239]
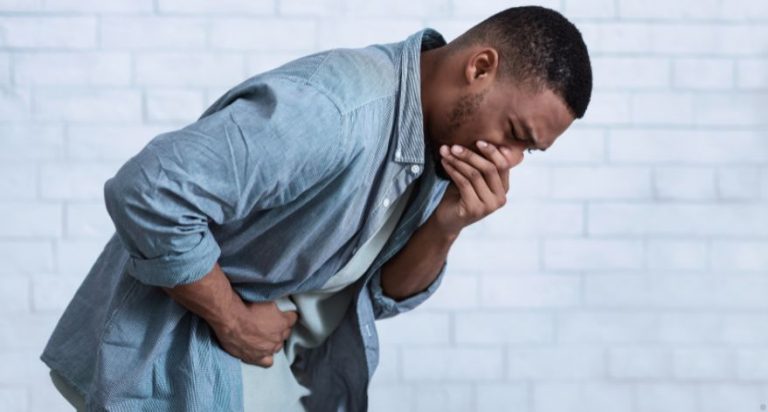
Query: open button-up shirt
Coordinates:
[279,181]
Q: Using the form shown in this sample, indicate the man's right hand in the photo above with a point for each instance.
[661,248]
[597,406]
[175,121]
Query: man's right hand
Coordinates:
[257,331]
[252,332]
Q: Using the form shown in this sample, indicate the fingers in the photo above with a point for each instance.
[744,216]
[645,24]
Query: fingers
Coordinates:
[498,158]
[466,190]
[481,173]
[291,316]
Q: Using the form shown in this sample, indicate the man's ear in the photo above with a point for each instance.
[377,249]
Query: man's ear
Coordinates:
[483,65]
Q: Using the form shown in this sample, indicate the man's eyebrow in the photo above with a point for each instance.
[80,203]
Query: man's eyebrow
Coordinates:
[529,132]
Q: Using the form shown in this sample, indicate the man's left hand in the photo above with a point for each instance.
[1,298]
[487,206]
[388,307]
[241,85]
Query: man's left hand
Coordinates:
[479,185]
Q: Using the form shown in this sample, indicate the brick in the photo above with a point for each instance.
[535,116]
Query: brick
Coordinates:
[582,396]
[486,8]
[495,397]
[751,74]
[523,219]
[684,183]
[703,363]
[740,328]
[31,219]
[236,7]
[529,291]
[23,257]
[677,219]
[314,8]
[593,254]
[87,105]
[362,32]
[628,73]
[679,255]
[416,328]
[15,295]
[109,143]
[31,142]
[97,6]
[87,220]
[13,398]
[665,397]
[606,327]
[703,74]
[732,256]
[752,364]
[200,69]
[444,397]
[638,362]
[744,10]
[245,34]
[174,105]
[575,146]
[153,33]
[390,397]
[529,182]
[19,181]
[577,9]
[388,369]
[48,32]
[69,180]
[77,257]
[15,105]
[663,108]
[659,9]
[72,69]
[729,109]
[53,293]
[397,8]
[673,38]
[601,182]
[738,183]
[25,330]
[661,146]
[488,256]
[503,327]
[608,108]
[676,291]
[20,5]
[679,328]
[729,397]
[446,364]
[5,70]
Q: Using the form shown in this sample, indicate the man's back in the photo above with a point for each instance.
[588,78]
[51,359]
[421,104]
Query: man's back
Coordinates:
[278,181]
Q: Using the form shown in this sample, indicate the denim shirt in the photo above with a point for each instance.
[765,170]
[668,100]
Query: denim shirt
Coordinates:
[278,181]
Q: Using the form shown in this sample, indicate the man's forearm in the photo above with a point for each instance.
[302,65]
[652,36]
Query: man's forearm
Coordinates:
[414,267]
[211,297]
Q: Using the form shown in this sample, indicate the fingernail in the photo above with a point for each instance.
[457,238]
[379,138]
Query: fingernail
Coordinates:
[457,149]
[443,150]
[482,144]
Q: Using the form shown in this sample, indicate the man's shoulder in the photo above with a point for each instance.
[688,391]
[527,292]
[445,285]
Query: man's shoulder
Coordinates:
[350,77]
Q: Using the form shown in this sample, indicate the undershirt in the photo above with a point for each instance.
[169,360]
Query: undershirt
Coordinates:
[320,311]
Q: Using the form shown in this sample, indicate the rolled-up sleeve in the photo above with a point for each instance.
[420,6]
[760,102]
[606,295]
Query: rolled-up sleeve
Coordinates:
[254,153]
[385,306]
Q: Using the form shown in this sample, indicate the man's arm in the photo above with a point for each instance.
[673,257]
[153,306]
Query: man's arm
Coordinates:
[417,265]
[252,332]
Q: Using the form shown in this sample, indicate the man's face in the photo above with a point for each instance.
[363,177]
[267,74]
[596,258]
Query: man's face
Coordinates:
[504,114]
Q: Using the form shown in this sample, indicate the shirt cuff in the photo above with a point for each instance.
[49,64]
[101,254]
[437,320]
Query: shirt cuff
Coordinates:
[173,270]
[385,306]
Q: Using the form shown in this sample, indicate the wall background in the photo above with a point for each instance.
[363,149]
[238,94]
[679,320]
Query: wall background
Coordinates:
[628,271]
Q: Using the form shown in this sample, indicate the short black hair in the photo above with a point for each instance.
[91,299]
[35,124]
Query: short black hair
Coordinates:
[541,47]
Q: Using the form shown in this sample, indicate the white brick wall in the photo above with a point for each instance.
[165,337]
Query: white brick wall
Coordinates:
[627,272]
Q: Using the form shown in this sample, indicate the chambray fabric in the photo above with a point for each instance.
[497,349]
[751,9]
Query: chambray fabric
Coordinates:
[279,181]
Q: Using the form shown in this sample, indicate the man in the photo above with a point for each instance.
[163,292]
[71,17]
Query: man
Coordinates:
[255,247]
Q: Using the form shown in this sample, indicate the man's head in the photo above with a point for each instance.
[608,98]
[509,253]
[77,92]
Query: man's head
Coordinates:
[522,72]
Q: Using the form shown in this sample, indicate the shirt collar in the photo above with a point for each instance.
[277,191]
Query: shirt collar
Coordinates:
[410,118]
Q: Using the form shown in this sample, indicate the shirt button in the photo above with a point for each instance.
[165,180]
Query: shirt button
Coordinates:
[386,202]
[398,154]
[415,169]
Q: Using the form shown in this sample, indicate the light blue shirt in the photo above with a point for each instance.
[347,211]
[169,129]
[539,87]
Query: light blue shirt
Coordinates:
[279,181]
